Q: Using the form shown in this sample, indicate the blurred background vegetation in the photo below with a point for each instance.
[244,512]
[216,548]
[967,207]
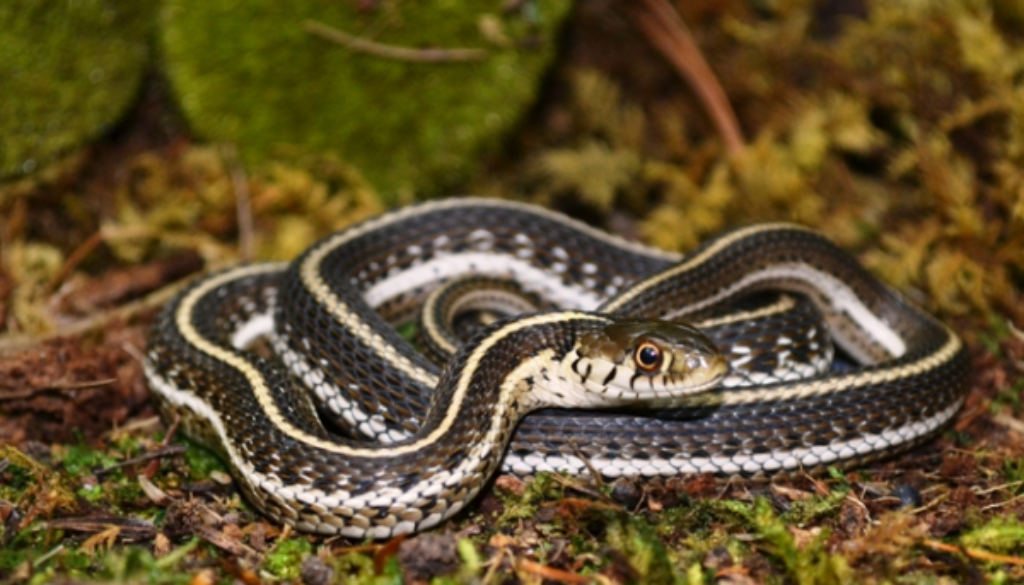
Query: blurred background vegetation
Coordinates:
[896,128]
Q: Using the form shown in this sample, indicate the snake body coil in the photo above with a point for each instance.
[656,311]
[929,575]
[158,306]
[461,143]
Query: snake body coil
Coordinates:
[328,315]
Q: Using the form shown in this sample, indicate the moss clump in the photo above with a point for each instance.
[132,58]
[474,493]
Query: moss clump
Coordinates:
[254,75]
[69,70]
[286,559]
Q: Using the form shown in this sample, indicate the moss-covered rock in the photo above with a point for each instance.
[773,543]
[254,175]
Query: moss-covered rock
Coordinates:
[261,74]
[67,73]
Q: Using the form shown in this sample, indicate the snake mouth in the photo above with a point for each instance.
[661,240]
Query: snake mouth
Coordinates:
[695,382]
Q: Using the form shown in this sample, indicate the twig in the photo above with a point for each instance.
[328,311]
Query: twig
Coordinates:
[154,454]
[74,259]
[586,462]
[397,53]
[226,542]
[938,500]
[1000,487]
[1014,330]
[57,386]
[968,416]
[130,527]
[1009,422]
[243,205]
[545,572]
[669,34]
[39,562]
[136,354]
[573,484]
[358,548]
[974,553]
[494,563]
[153,466]
[386,551]
[79,385]
[1003,503]
[118,285]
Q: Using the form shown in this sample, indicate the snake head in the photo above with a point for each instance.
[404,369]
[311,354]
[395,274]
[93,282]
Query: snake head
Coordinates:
[652,363]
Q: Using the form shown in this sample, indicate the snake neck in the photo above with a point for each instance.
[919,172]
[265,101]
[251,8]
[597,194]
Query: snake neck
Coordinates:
[512,369]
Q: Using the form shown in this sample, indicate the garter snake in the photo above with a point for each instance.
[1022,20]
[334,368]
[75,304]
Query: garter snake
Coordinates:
[325,314]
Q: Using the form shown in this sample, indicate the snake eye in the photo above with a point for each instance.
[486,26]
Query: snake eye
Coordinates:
[647,356]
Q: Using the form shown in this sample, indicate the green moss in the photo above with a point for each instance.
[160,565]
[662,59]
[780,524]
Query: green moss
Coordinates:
[806,563]
[542,488]
[252,75]
[637,541]
[137,564]
[126,492]
[91,493]
[201,462]
[10,558]
[286,559]
[69,70]
[804,512]
[82,458]
[17,480]
[76,563]
[1002,535]
[128,445]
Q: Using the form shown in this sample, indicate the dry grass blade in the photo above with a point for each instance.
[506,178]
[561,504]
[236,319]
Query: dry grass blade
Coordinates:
[974,553]
[664,28]
[243,205]
[165,451]
[369,47]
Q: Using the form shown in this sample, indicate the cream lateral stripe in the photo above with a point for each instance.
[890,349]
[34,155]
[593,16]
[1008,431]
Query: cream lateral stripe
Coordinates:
[510,385]
[714,248]
[255,378]
[481,350]
[835,384]
[783,304]
[309,272]
[262,391]
[436,335]
[350,320]
[489,300]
